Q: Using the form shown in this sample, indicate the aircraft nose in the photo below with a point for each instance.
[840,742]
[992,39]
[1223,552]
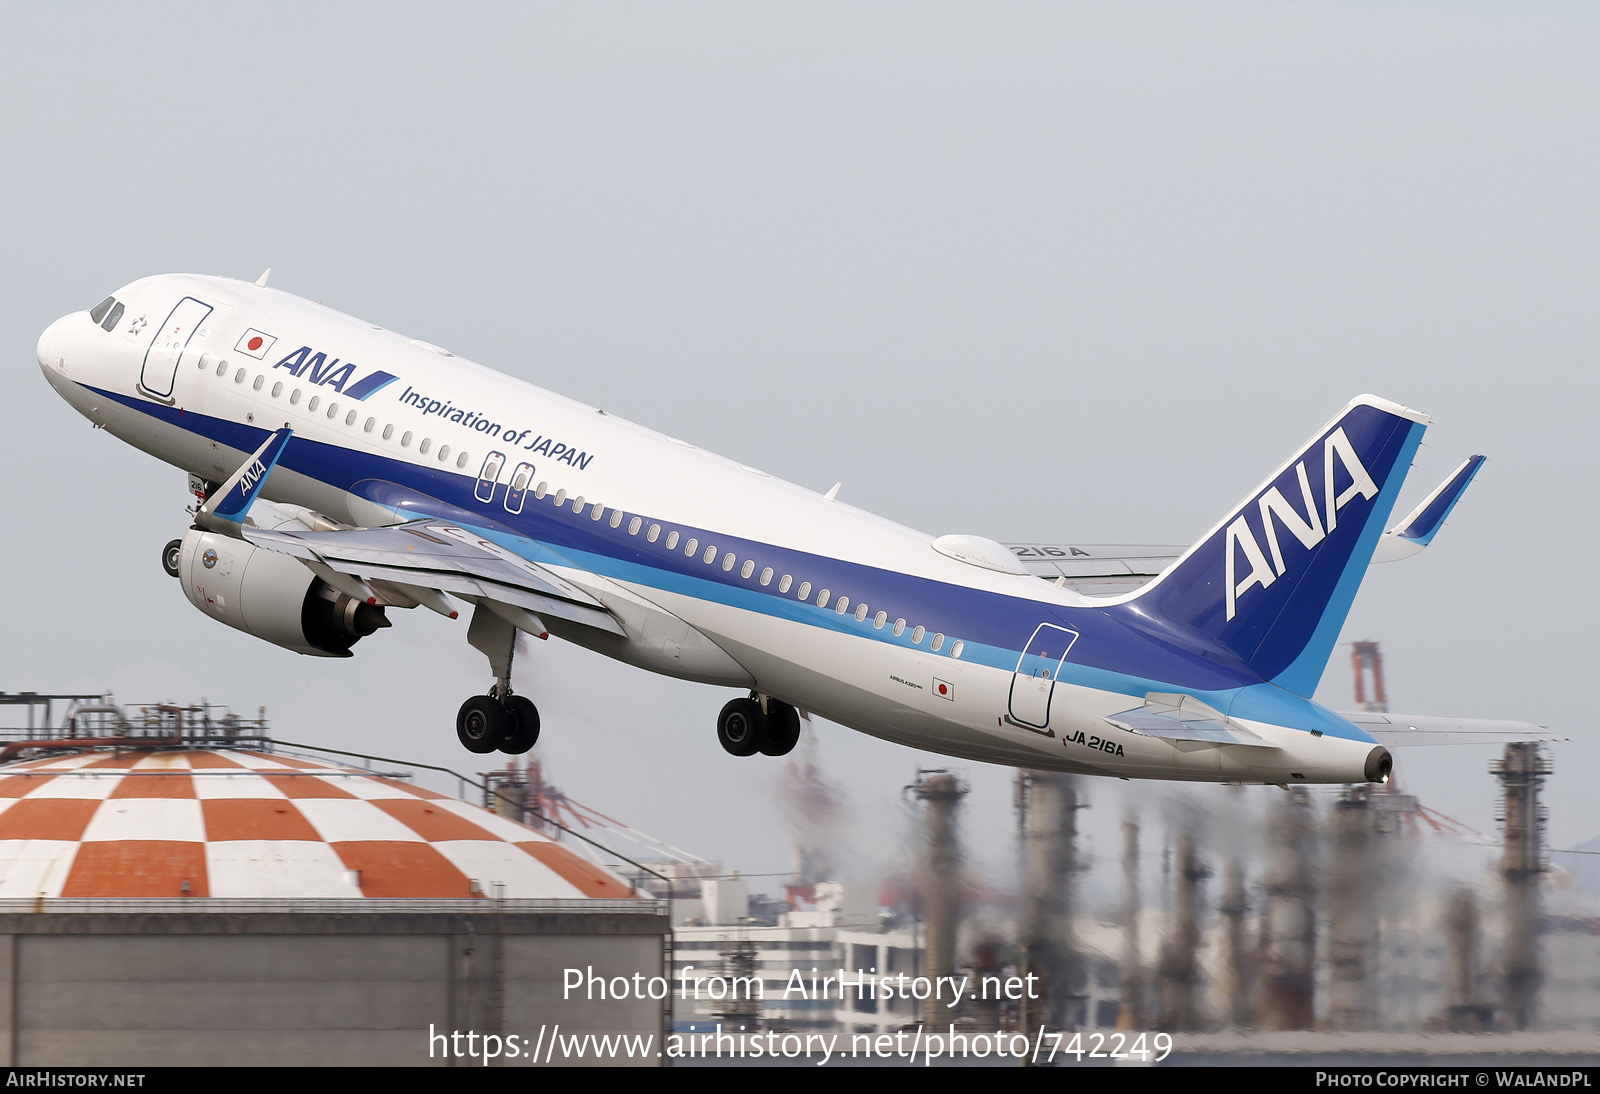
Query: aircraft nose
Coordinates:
[49,344]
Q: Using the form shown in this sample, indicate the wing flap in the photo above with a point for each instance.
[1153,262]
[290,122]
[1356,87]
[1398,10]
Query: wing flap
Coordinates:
[422,547]
[475,588]
[437,555]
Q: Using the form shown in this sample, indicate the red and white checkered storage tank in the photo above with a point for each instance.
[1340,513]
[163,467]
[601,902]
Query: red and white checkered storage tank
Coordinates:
[225,823]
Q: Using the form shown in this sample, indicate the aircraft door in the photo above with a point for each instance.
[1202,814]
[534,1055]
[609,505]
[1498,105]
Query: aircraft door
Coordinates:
[517,490]
[489,476]
[160,371]
[1038,668]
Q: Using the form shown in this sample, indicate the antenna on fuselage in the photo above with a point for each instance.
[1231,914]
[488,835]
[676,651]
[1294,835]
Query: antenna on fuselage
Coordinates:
[261,282]
[831,494]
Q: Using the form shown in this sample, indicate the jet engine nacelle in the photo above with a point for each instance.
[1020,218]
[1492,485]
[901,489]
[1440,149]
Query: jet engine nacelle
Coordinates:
[271,596]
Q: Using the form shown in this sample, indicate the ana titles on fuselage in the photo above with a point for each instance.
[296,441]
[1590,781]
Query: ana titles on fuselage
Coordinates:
[346,470]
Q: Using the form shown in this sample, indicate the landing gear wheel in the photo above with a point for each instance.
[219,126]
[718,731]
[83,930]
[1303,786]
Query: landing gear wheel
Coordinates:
[171,555]
[783,729]
[522,726]
[481,724]
[741,727]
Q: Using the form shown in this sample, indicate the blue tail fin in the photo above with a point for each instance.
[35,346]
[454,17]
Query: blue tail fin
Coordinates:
[1273,582]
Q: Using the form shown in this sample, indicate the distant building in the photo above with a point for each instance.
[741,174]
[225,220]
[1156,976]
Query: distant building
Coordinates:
[799,962]
[164,903]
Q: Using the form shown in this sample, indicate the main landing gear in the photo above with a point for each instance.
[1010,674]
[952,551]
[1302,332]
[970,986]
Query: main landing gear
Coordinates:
[745,728]
[498,721]
[486,724]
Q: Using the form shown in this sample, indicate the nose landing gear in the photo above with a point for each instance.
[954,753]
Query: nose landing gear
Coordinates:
[171,555]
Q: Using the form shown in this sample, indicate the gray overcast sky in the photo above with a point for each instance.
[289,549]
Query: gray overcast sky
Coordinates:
[1061,271]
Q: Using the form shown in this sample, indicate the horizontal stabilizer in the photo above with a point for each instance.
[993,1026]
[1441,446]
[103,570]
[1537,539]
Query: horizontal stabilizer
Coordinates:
[1391,730]
[1184,718]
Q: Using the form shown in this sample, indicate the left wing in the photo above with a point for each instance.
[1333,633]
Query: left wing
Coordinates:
[441,555]
[414,562]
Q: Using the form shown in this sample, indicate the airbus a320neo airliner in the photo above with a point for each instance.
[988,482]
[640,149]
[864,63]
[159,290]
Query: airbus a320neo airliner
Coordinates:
[343,470]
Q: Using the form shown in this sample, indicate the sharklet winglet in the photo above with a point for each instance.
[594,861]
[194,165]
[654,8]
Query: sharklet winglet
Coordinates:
[225,510]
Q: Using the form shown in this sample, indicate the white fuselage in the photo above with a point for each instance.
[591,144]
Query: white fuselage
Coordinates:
[938,680]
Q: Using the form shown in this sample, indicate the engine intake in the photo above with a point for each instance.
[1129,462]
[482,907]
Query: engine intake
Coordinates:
[272,596]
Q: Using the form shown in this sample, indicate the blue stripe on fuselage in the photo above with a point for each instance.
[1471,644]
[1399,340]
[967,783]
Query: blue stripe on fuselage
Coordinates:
[1122,648]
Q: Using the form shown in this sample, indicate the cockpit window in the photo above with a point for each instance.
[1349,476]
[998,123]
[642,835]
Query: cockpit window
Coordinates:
[101,308]
[115,317]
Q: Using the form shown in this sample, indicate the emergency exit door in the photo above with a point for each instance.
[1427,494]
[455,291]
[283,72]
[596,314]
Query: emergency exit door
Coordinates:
[1034,682]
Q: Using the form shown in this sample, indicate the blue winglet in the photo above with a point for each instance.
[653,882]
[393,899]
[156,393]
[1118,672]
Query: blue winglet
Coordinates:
[1426,518]
[225,510]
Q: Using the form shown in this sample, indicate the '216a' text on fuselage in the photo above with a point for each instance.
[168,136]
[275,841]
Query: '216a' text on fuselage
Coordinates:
[722,574]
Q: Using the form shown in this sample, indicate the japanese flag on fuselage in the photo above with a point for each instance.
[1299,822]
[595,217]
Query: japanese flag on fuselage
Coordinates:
[255,344]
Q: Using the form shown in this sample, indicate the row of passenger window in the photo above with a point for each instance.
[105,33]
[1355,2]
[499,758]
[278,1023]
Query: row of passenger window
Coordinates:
[350,417]
[516,493]
[691,548]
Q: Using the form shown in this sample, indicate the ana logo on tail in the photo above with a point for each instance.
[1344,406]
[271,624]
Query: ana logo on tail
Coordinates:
[1309,529]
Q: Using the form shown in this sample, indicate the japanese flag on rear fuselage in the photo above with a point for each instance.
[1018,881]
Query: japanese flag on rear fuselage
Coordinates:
[255,344]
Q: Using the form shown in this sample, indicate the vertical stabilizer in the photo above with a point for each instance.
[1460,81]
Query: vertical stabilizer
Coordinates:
[1274,580]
